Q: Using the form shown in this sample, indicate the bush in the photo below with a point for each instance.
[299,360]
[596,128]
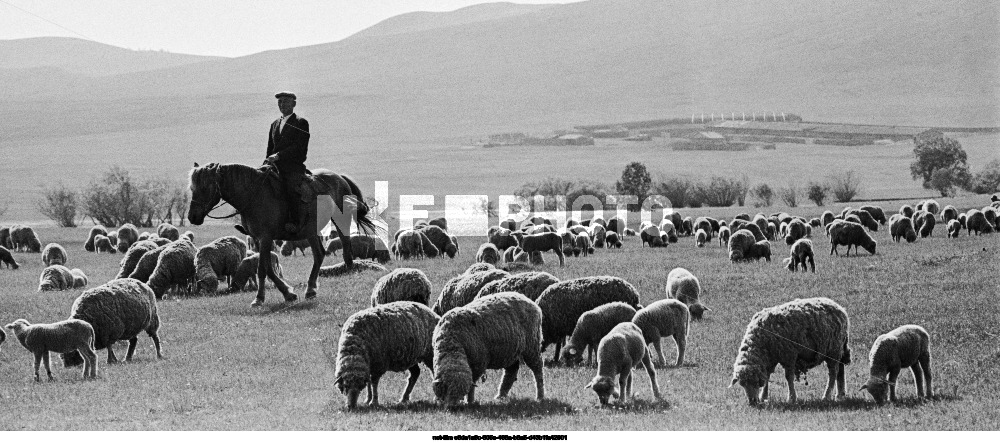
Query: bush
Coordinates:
[986,181]
[551,187]
[720,191]
[116,198]
[59,204]
[764,195]
[946,180]
[845,186]
[678,190]
[816,192]
[790,195]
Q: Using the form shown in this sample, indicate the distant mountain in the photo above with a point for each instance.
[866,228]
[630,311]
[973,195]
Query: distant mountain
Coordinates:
[424,21]
[83,57]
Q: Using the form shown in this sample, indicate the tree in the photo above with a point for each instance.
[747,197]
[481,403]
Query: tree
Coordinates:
[635,181]
[790,195]
[59,204]
[817,192]
[986,181]
[764,195]
[845,186]
[936,153]
[677,190]
[117,198]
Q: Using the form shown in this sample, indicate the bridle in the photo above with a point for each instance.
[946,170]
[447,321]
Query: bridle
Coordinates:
[267,169]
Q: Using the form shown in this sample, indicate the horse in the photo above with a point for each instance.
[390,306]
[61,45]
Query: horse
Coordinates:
[256,195]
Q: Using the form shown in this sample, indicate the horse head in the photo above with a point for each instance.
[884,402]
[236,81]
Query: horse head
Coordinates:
[205,194]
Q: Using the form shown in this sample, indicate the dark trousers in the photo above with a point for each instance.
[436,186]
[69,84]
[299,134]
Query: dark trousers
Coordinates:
[290,181]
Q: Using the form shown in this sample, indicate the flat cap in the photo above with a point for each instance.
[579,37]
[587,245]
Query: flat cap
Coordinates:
[285,94]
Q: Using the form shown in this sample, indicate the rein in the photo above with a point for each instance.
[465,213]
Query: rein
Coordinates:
[267,171]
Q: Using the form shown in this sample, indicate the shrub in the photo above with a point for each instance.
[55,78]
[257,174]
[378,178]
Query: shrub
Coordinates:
[59,204]
[790,195]
[946,180]
[117,198]
[678,190]
[551,187]
[845,186]
[764,195]
[720,191]
[986,181]
[816,192]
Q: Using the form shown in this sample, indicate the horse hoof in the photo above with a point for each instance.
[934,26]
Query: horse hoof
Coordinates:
[291,296]
[257,303]
[310,294]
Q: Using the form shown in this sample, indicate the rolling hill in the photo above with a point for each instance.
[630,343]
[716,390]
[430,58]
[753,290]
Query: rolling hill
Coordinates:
[86,58]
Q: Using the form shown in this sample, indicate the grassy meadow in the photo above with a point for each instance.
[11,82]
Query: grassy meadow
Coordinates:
[232,367]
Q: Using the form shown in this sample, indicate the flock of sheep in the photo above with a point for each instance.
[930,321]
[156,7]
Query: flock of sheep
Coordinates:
[501,312]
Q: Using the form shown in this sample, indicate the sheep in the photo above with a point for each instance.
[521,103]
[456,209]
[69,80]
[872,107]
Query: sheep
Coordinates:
[619,351]
[630,232]
[687,226]
[902,227]
[488,253]
[684,286]
[174,267]
[758,235]
[962,218]
[850,234]
[612,240]
[216,260]
[386,337]
[742,216]
[509,254]
[651,235]
[502,238]
[954,228]
[135,252]
[495,332]
[761,222]
[246,273]
[976,221]
[478,267]
[949,213]
[664,318]
[290,246]
[724,234]
[827,217]
[103,244]
[5,238]
[991,215]
[598,234]
[146,236]
[906,210]
[591,327]
[905,346]
[548,241]
[402,284]
[744,247]
[408,245]
[23,238]
[865,219]
[146,264]
[440,222]
[64,336]
[528,284]
[924,223]
[458,248]
[127,234]
[55,278]
[369,247]
[583,245]
[118,310]
[8,259]
[168,231]
[53,254]
[798,335]
[79,278]
[465,289]
[440,239]
[703,223]
[615,224]
[932,206]
[94,231]
[700,238]
[876,213]
[801,253]
[563,303]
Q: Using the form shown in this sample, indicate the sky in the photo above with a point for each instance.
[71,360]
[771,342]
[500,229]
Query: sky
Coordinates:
[216,27]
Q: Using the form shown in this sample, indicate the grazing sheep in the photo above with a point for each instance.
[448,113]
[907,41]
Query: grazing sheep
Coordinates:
[79,278]
[478,267]
[495,332]
[761,222]
[801,253]
[620,351]
[598,233]
[876,212]
[569,242]
[612,240]
[98,229]
[798,335]
[615,224]
[853,218]
[465,289]
[827,217]
[5,238]
[55,278]
[387,337]
[683,286]
[440,239]
[246,273]
[528,284]
[174,268]
[700,238]
[758,235]
[563,303]
[949,213]
[954,228]
[962,218]
[369,247]
[725,233]
[850,234]
[932,206]
[687,226]
[402,284]
[548,241]
[704,224]
[924,222]
[103,244]
[168,231]
[488,253]
[865,219]
[118,310]
[113,238]
[906,210]
[408,245]
[630,232]
[502,238]
[901,227]
[132,257]
[509,254]
[976,221]
[23,238]
[744,247]
[664,318]
[289,247]
[907,346]
[509,224]
[583,245]
[592,326]
[7,259]
[217,260]
[651,235]
[991,215]
[440,222]
[147,263]
[127,234]
[63,336]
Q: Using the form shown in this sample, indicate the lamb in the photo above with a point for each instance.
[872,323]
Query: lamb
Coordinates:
[118,310]
[620,351]
[127,234]
[94,232]
[465,289]
[502,238]
[402,284]
[902,227]
[174,267]
[724,234]
[962,218]
[488,253]
[876,212]
[800,253]
[528,284]
[64,336]
[246,273]
[168,231]
[954,228]
[744,247]
[8,259]
[700,238]
[440,239]
[850,234]
[290,246]
[548,241]
[216,260]
[906,346]
[583,245]
[592,326]
[612,240]
[798,335]
[103,244]
[23,238]
[976,221]
[495,332]
[664,318]
[55,278]
[598,233]
[563,303]
[387,337]
[132,257]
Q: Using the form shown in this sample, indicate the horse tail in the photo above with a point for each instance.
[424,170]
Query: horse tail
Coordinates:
[365,224]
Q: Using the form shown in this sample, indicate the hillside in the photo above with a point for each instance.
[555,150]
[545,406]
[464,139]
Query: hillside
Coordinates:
[424,21]
[82,57]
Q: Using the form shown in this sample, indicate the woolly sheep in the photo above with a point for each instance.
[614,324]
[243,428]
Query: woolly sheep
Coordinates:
[901,227]
[687,226]
[583,245]
[509,254]
[478,267]
[79,278]
[932,206]
[704,224]
[7,259]
[876,212]
[651,235]
[94,231]
[976,221]
[488,253]
[387,337]
[103,244]
[118,310]
[954,228]
[700,238]
[55,278]
[924,222]
[758,235]
[761,222]
[409,245]
[289,247]
[563,303]
[620,351]
[801,253]
[907,346]
[64,336]
[135,252]
[23,238]
[664,318]
[54,254]
[744,247]
[616,225]
[127,234]
[906,210]
[598,221]
[174,267]
[991,215]
[850,234]
[402,284]
[147,263]
[217,260]
[827,217]
[684,286]
[549,241]
[440,239]
[724,234]
[5,238]
[778,335]
[502,238]
[630,232]
[369,247]
[168,231]
[528,284]
[162,241]
[246,274]
[865,219]
[592,326]
[440,222]
[949,213]
[612,240]
[495,332]
[962,218]
[598,234]
[465,289]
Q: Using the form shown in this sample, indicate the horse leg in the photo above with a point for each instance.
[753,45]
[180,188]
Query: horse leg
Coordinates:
[345,239]
[266,270]
[317,251]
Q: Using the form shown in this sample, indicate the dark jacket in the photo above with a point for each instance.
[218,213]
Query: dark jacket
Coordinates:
[291,145]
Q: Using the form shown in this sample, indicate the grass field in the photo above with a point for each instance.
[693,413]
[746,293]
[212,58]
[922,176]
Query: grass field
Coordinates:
[231,367]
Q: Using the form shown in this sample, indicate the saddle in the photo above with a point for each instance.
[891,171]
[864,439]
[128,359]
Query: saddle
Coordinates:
[310,187]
